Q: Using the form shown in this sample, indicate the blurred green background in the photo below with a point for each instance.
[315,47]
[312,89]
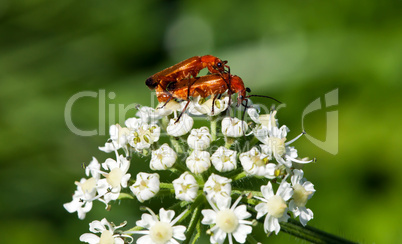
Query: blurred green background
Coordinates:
[295,51]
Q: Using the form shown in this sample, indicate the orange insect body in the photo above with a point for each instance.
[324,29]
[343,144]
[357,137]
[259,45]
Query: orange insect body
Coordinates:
[204,86]
[186,69]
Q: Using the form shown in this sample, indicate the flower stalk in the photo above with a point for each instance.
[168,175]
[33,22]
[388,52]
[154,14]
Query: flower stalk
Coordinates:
[312,234]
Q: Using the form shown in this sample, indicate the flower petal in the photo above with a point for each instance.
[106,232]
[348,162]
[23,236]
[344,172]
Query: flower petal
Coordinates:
[178,232]
[241,233]
[166,215]
[241,212]
[90,238]
[209,217]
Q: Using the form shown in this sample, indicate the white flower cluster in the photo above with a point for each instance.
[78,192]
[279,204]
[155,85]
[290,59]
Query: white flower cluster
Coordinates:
[206,173]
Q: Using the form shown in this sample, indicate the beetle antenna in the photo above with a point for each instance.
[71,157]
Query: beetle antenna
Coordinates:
[264,96]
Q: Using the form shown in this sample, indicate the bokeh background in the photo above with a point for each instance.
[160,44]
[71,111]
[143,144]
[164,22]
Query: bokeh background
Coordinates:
[295,51]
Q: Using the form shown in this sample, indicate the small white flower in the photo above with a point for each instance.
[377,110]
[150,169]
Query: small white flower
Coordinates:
[199,139]
[151,115]
[82,198]
[302,191]
[198,162]
[170,107]
[145,186]
[141,134]
[220,105]
[160,230]
[274,145]
[227,221]
[217,188]
[86,191]
[181,127]
[265,123]
[274,206]
[118,139]
[193,107]
[117,178]
[233,127]
[224,159]
[163,158]
[186,187]
[133,123]
[256,163]
[106,230]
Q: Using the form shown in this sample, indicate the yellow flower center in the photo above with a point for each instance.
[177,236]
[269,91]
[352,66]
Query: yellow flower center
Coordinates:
[300,195]
[227,221]
[161,232]
[88,185]
[114,177]
[217,187]
[276,206]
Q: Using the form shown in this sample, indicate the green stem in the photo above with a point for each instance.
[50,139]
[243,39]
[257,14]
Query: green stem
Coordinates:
[241,175]
[195,220]
[311,234]
[198,233]
[179,167]
[251,201]
[166,186]
[229,141]
[176,145]
[254,141]
[213,127]
[165,192]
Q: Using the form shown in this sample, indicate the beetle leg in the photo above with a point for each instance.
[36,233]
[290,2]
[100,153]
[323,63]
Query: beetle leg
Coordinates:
[213,102]
[170,98]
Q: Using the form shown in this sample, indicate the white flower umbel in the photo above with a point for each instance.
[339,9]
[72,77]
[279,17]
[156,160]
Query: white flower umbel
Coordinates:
[227,221]
[181,127]
[86,191]
[163,158]
[118,139]
[107,231]
[224,159]
[145,186]
[186,187]
[115,179]
[141,135]
[233,127]
[160,230]
[199,139]
[274,206]
[217,187]
[256,163]
[302,191]
[198,162]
